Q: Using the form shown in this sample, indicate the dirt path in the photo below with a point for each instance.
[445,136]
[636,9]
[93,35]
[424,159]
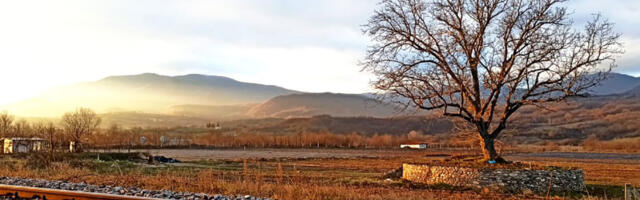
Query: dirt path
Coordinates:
[197,154]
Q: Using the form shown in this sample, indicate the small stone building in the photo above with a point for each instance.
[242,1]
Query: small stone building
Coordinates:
[540,181]
[22,145]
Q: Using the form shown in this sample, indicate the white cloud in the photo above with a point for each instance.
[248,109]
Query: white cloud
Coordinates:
[46,44]
[306,68]
[303,45]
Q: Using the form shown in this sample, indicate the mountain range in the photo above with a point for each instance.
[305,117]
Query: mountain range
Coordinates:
[223,98]
[147,92]
[194,95]
[617,83]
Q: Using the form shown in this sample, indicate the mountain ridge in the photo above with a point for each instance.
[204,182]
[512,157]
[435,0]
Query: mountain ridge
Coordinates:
[220,97]
[147,92]
[616,83]
[334,104]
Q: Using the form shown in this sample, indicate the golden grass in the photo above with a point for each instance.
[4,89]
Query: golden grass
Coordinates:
[318,178]
[300,179]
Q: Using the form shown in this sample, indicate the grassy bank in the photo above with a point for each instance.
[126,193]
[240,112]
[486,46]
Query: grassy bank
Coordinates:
[281,178]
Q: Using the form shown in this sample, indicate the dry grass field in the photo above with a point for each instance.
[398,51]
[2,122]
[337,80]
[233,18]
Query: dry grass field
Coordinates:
[298,173]
[599,168]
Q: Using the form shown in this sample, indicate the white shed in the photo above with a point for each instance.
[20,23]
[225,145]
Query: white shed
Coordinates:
[414,146]
[22,145]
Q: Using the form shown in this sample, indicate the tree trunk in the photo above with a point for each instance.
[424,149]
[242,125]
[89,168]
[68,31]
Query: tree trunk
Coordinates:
[77,147]
[488,149]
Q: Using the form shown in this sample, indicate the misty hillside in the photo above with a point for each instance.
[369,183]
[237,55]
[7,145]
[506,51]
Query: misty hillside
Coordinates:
[294,105]
[222,98]
[311,104]
[147,92]
[362,125]
[567,123]
[148,120]
[225,112]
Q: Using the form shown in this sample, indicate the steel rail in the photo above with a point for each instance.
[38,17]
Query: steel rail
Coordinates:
[22,192]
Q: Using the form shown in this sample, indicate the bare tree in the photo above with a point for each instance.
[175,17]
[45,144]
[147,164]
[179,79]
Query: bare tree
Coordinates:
[114,132]
[482,60]
[50,132]
[133,136]
[79,124]
[6,123]
[22,128]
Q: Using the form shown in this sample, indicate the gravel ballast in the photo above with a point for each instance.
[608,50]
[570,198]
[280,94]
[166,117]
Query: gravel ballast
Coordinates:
[115,190]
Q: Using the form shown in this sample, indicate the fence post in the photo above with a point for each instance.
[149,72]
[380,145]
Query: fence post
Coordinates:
[627,191]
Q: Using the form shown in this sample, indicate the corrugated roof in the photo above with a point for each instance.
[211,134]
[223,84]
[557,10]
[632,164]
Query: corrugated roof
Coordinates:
[19,138]
[416,143]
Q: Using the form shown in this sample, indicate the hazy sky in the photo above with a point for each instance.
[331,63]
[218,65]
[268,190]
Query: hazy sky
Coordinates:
[303,45]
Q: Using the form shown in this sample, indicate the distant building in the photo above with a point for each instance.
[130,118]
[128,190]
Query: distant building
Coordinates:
[22,145]
[72,146]
[414,146]
[213,126]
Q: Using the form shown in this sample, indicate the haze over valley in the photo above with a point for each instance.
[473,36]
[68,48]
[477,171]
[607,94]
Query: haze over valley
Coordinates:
[153,100]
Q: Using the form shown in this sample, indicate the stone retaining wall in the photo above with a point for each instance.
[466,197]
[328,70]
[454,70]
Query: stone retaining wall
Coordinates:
[508,180]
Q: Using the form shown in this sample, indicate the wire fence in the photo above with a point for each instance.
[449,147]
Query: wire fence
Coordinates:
[631,193]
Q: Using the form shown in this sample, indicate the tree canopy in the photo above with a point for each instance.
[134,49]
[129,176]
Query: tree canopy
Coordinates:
[482,60]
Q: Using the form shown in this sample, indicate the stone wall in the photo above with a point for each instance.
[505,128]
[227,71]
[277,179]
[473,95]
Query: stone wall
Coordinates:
[508,180]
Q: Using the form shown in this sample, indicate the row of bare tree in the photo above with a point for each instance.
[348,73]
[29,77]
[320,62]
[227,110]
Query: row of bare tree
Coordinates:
[81,127]
[320,140]
[116,137]
[73,127]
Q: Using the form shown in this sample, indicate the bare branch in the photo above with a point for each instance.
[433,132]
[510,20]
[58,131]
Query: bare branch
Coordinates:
[482,60]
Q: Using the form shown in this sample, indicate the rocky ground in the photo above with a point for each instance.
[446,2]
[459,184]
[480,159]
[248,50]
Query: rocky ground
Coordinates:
[131,191]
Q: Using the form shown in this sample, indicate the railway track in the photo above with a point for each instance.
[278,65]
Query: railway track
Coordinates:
[22,192]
